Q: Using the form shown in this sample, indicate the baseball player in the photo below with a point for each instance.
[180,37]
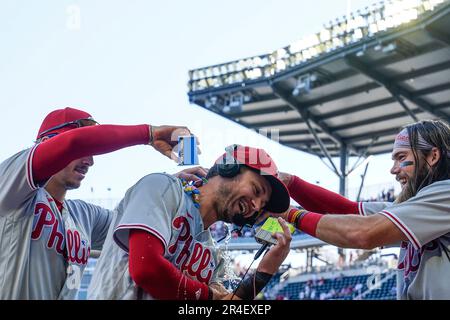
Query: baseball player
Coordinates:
[159,245]
[45,240]
[419,219]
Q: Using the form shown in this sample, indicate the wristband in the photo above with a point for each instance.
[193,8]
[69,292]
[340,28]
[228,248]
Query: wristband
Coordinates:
[252,285]
[299,217]
[303,220]
[210,294]
[150,129]
[294,215]
[308,221]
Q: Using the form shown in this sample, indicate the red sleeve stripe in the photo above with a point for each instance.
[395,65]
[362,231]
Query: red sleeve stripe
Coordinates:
[30,168]
[403,228]
[361,209]
[142,227]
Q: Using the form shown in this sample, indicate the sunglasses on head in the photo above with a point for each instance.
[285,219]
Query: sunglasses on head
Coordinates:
[76,123]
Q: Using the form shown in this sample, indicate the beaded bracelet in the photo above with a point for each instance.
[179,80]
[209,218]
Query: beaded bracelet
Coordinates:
[299,217]
[295,216]
[150,129]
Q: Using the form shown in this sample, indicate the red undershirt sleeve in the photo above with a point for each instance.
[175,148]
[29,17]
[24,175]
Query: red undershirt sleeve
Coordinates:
[317,199]
[155,274]
[56,153]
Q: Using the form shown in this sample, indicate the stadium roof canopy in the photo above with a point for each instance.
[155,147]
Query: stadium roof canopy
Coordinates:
[346,90]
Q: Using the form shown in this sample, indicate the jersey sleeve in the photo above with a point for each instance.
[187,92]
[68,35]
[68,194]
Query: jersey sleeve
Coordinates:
[95,219]
[16,183]
[369,208]
[424,217]
[149,205]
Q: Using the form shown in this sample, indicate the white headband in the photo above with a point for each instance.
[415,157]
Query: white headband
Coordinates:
[402,141]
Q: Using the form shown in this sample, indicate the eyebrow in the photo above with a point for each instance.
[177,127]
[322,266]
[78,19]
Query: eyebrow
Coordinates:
[266,193]
[397,154]
[264,189]
[261,186]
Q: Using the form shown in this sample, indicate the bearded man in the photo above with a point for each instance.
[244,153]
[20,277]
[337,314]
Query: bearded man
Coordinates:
[419,219]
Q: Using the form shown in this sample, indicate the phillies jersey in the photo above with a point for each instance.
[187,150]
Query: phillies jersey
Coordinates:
[43,251]
[158,205]
[424,261]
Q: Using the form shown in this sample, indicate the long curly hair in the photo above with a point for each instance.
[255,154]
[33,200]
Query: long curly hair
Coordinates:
[437,134]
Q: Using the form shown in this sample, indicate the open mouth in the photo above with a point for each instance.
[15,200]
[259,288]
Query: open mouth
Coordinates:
[402,181]
[81,170]
[244,208]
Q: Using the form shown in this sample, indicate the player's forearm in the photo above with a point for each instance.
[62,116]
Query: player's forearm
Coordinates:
[56,153]
[344,231]
[347,231]
[317,199]
[156,275]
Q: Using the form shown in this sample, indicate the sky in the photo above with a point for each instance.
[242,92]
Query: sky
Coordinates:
[127,62]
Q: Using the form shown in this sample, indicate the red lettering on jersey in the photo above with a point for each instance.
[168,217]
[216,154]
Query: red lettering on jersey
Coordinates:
[195,262]
[183,256]
[56,234]
[204,263]
[185,233]
[74,244]
[204,255]
[412,257]
[78,249]
[77,246]
[196,255]
[43,211]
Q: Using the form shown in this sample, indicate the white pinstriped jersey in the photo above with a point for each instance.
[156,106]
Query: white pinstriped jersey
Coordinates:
[424,261]
[157,204]
[43,251]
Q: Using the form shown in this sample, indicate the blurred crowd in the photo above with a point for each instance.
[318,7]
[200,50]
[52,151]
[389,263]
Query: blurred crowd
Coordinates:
[384,196]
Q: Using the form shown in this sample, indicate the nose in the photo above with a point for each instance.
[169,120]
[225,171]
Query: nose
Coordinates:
[88,161]
[257,204]
[395,168]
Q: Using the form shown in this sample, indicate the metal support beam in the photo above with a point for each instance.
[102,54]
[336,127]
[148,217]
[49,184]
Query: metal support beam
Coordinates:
[342,94]
[363,155]
[296,132]
[379,133]
[307,115]
[381,102]
[416,73]
[363,177]
[438,35]
[343,176]
[308,118]
[401,77]
[394,88]
[443,105]
[384,143]
[262,111]
[430,90]
[328,166]
[372,120]
[357,108]
[403,104]
[273,123]
[304,149]
[322,147]
[306,141]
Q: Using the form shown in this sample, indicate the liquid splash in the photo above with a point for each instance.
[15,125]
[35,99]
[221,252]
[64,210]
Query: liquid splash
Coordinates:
[230,278]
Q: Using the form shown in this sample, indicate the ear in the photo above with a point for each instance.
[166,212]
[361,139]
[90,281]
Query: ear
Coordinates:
[434,156]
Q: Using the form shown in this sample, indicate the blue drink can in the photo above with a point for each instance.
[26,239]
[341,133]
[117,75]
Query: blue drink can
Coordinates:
[187,152]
